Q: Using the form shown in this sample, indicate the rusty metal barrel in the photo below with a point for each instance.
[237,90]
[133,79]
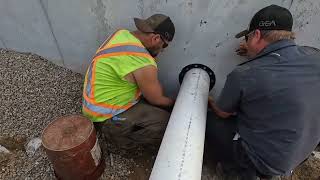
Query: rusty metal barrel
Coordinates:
[72,147]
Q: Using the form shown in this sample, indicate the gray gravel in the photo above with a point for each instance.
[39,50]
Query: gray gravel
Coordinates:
[33,92]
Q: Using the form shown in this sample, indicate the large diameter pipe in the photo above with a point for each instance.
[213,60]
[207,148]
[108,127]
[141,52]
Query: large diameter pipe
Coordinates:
[181,152]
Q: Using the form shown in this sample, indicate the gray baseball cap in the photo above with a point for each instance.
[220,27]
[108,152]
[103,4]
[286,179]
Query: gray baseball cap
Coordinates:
[157,23]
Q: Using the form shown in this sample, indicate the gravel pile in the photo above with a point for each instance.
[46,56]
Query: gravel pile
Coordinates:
[34,91]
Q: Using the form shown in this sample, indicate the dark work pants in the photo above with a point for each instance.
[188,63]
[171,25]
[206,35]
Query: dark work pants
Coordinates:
[141,125]
[230,153]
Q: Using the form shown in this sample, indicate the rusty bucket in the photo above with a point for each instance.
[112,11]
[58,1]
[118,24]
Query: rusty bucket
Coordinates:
[72,147]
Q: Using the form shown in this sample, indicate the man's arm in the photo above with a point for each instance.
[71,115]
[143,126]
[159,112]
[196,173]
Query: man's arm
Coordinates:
[218,111]
[150,87]
[230,96]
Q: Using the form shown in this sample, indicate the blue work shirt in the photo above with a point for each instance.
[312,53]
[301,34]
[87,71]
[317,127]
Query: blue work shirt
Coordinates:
[277,98]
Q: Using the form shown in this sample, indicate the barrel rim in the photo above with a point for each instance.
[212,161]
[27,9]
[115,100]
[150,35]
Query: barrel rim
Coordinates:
[55,119]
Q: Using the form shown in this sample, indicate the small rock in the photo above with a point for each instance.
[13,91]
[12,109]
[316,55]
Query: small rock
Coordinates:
[316,154]
[111,160]
[33,146]
[4,150]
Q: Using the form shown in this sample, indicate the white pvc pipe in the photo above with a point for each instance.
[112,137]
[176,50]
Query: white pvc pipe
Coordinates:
[181,152]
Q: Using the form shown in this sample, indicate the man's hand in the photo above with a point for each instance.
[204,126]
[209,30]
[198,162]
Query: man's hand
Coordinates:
[217,110]
[243,49]
[210,102]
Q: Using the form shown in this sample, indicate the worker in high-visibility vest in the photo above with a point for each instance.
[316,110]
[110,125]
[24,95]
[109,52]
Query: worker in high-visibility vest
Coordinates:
[122,70]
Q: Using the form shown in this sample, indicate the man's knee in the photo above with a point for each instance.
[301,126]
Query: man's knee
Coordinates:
[155,120]
[141,124]
[151,114]
[219,135]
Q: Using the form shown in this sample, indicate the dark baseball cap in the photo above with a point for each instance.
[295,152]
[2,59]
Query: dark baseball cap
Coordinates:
[157,23]
[270,18]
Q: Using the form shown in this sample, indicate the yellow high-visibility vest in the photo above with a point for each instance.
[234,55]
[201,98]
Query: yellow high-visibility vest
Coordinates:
[106,92]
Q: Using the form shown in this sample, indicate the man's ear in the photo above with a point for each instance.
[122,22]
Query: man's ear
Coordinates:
[156,38]
[258,34]
[149,39]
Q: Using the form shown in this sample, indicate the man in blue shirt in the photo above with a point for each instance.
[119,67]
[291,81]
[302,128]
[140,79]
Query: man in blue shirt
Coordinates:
[267,119]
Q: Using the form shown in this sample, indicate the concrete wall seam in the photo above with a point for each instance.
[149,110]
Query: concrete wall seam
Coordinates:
[51,29]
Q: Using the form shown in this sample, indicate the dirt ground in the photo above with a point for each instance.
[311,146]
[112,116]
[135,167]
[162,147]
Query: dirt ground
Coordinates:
[310,170]
[34,92]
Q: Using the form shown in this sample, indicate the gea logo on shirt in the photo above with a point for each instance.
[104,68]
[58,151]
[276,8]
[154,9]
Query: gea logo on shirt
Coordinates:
[267,23]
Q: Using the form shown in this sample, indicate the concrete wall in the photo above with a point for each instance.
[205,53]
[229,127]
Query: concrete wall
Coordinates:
[68,32]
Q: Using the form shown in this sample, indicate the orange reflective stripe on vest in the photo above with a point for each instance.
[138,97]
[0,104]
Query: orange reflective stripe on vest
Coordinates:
[103,46]
[123,49]
[95,113]
[123,44]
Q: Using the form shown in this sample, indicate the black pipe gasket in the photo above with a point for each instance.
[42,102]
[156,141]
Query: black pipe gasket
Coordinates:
[201,66]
